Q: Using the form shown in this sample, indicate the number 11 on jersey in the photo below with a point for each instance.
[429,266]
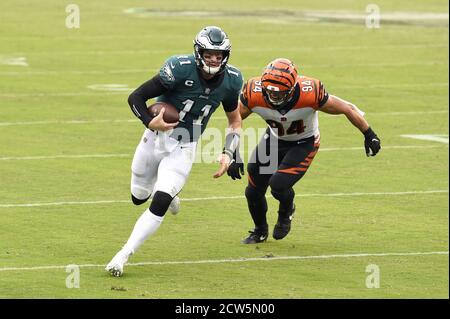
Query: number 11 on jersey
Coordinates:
[187,108]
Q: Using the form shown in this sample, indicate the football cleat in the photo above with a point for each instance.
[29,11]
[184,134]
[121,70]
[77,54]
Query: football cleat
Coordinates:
[256,236]
[115,266]
[283,226]
[174,206]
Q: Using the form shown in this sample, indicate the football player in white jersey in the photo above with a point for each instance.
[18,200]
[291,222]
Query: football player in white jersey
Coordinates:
[196,85]
[289,104]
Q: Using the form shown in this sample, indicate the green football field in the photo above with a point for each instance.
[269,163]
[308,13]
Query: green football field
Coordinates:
[365,227]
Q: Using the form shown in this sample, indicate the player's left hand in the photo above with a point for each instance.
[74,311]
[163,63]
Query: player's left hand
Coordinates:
[372,143]
[224,162]
[236,168]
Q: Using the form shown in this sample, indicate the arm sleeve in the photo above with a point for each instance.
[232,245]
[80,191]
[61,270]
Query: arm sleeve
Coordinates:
[322,95]
[243,97]
[137,100]
[230,102]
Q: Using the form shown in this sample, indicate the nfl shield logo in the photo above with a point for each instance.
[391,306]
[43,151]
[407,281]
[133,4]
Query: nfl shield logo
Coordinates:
[207,91]
[283,119]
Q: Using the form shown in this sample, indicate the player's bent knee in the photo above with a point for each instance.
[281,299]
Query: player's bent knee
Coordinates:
[160,203]
[279,183]
[252,193]
[137,201]
[140,191]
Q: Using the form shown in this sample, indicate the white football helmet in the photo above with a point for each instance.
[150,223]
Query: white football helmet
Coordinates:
[211,38]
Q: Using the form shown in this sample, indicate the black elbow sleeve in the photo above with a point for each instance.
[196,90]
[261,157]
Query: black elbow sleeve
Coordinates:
[139,108]
[138,99]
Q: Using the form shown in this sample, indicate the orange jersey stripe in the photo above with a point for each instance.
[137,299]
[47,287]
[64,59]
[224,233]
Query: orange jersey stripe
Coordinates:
[306,164]
[250,180]
[293,170]
[312,154]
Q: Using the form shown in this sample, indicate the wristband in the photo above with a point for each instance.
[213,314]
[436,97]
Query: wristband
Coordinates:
[231,144]
[369,132]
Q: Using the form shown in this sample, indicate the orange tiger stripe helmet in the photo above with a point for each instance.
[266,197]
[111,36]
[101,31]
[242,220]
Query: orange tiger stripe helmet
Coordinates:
[278,81]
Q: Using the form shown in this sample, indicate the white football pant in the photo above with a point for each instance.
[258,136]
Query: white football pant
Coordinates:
[160,163]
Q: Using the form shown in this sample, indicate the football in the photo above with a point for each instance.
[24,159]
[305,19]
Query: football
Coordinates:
[170,115]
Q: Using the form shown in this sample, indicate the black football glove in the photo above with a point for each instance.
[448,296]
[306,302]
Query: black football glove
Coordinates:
[372,143]
[236,168]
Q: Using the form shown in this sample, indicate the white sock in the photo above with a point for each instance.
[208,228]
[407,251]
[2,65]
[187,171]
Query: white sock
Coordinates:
[145,226]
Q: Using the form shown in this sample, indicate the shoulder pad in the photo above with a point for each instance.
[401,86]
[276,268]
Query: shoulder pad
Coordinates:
[312,93]
[252,93]
[235,76]
[176,68]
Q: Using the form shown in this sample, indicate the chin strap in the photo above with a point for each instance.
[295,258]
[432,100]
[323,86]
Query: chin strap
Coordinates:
[210,70]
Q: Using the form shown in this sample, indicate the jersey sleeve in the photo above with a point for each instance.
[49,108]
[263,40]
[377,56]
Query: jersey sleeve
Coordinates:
[230,101]
[172,72]
[321,94]
[251,94]
[243,97]
[312,93]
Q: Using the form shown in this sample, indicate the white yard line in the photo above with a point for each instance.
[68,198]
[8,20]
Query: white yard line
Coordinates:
[148,71]
[13,60]
[332,149]
[155,36]
[27,123]
[340,87]
[329,149]
[56,94]
[242,49]
[397,85]
[26,158]
[325,116]
[234,260]
[406,113]
[75,72]
[441,138]
[194,199]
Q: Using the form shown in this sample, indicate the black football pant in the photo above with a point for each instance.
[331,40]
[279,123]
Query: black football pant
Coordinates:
[278,164]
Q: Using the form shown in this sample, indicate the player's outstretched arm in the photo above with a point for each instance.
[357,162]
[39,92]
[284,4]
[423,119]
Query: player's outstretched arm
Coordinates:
[336,105]
[244,111]
[231,141]
[236,168]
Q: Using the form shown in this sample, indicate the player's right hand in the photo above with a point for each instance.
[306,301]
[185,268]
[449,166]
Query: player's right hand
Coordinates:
[224,162]
[158,124]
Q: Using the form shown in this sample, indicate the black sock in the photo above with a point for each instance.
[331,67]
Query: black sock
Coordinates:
[257,205]
[286,199]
